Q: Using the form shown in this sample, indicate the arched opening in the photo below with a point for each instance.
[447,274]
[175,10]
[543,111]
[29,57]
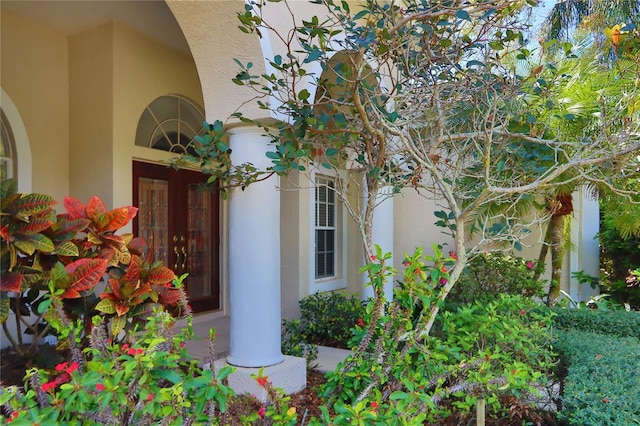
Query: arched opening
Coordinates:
[177,217]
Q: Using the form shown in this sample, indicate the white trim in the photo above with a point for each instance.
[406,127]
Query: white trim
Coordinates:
[339,280]
[23,148]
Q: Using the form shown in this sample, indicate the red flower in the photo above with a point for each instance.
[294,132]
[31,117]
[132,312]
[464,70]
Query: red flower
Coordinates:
[72,367]
[125,347]
[530,264]
[605,400]
[443,281]
[149,397]
[360,322]
[62,366]
[374,404]
[262,380]
[522,312]
[453,255]
[373,257]
[13,416]
[134,351]
[99,387]
[262,411]
[49,386]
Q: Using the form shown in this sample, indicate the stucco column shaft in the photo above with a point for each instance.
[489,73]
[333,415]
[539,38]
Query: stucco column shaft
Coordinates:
[382,235]
[254,259]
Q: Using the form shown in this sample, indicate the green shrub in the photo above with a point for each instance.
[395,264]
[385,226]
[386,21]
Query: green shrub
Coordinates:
[150,381]
[602,385]
[489,274]
[614,323]
[498,351]
[294,341]
[325,319]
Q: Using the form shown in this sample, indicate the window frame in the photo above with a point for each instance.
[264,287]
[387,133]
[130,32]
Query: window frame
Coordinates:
[338,279]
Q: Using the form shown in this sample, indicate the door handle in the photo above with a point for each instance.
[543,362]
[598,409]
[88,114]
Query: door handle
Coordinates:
[178,251]
[183,240]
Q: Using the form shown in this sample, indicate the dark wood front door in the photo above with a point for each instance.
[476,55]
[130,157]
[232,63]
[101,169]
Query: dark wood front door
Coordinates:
[179,219]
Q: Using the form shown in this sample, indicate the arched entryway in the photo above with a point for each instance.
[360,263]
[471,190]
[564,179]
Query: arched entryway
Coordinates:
[178,216]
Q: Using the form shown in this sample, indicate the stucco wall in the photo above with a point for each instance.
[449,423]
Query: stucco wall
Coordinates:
[143,71]
[34,73]
[91,113]
[414,225]
[211,29]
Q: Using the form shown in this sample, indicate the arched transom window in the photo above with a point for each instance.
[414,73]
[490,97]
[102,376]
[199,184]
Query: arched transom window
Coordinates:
[8,160]
[170,123]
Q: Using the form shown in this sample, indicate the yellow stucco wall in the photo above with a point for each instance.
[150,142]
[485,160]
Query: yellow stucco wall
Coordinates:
[91,113]
[34,73]
[143,71]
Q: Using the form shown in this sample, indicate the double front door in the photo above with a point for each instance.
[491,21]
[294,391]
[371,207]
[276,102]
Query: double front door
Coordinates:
[180,221]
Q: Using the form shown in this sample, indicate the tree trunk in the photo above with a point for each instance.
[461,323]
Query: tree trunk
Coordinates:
[556,233]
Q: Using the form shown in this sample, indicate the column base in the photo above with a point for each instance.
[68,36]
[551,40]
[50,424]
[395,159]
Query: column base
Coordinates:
[290,375]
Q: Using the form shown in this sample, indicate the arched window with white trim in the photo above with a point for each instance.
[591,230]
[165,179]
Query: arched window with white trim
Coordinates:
[8,160]
[170,123]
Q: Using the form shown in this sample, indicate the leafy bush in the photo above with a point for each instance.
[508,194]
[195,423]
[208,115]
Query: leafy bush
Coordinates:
[294,341]
[326,319]
[614,323]
[497,351]
[602,383]
[149,381]
[490,274]
[44,253]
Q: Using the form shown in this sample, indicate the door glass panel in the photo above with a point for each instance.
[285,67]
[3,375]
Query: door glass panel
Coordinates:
[199,241]
[153,222]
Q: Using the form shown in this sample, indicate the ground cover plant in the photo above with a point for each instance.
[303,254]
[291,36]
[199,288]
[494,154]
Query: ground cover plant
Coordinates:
[601,386]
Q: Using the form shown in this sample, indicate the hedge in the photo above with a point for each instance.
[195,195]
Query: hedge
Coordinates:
[614,323]
[602,386]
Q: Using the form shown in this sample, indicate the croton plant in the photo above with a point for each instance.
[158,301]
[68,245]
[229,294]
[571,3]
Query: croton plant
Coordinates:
[45,255]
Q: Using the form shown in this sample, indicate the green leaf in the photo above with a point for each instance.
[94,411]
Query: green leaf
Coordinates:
[303,95]
[273,155]
[331,152]
[67,248]
[463,14]
[170,375]
[398,395]
[8,187]
[4,306]
[106,306]
[440,214]
[117,325]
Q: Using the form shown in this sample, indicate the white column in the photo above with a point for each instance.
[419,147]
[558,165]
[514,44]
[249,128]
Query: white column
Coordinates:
[585,251]
[382,235]
[254,259]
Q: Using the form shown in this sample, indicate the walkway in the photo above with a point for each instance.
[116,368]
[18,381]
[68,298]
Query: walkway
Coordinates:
[327,360]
